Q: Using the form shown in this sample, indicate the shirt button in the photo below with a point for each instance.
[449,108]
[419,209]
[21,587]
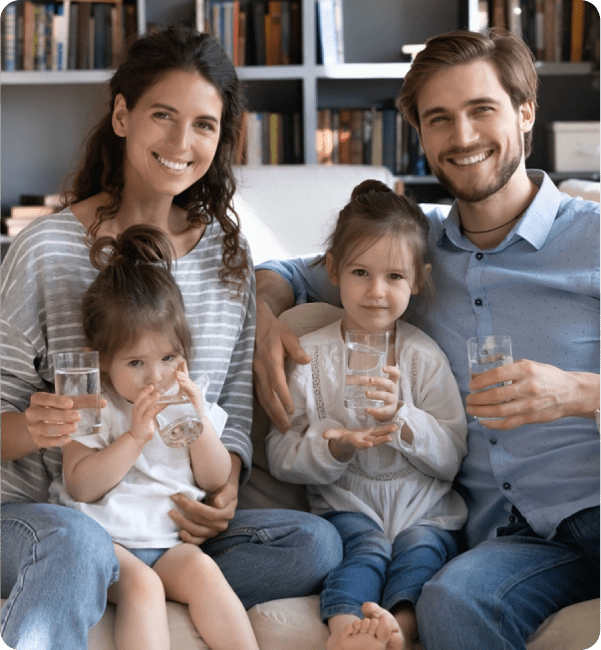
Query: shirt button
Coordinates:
[506,486]
[511,519]
[478,302]
[479,256]
[493,441]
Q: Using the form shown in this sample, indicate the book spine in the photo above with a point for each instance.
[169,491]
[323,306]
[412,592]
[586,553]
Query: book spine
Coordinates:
[9,38]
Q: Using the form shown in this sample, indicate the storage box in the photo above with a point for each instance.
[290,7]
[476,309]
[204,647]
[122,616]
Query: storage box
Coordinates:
[574,146]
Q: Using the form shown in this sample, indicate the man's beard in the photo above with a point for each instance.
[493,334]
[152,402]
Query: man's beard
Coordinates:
[475,193]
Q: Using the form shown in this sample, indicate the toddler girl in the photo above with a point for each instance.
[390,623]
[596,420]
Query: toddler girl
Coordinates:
[124,476]
[387,487]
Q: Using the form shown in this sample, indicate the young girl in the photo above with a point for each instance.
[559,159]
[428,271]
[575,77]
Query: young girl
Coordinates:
[386,488]
[123,477]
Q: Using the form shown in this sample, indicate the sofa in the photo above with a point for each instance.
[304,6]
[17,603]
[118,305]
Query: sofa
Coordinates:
[286,211]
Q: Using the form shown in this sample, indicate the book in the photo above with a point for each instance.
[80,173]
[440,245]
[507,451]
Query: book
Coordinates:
[29,44]
[9,37]
[199,15]
[259,33]
[273,33]
[59,42]
[295,32]
[30,211]
[577,31]
[327,32]
[72,42]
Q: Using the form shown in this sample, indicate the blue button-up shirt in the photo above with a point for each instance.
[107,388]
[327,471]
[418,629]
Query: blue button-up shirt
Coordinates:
[541,286]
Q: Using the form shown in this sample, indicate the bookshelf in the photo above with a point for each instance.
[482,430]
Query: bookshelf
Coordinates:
[47,114]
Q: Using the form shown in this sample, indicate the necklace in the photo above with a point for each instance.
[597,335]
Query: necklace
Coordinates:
[481,232]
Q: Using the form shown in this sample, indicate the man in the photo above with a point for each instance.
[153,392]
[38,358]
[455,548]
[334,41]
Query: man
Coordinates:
[517,257]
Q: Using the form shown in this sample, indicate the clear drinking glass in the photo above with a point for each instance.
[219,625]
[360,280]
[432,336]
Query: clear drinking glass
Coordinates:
[77,376]
[178,423]
[488,352]
[365,355]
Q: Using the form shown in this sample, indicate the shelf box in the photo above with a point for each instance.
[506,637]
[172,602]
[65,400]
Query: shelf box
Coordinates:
[574,146]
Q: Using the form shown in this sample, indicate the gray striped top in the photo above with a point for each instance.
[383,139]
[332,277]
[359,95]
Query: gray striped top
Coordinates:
[45,273]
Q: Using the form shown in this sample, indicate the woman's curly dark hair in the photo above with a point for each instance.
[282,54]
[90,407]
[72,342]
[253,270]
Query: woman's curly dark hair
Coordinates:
[148,59]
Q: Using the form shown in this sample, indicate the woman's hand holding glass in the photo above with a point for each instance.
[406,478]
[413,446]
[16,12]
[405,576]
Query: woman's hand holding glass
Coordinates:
[51,420]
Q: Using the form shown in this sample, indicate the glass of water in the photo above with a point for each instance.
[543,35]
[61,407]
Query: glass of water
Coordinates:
[77,376]
[488,352]
[179,424]
[365,356]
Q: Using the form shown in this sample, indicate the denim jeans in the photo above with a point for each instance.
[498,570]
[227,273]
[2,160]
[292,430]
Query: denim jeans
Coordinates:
[497,594]
[58,563]
[374,569]
[56,567]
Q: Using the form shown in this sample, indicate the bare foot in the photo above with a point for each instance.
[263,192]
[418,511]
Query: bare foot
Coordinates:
[361,635]
[388,631]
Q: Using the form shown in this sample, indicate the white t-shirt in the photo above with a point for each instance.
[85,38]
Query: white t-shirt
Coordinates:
[134,512]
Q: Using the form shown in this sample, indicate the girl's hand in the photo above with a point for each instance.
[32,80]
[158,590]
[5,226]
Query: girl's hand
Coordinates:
[345,441]
[190,389]
[51,420]
[144,413]
[386,390]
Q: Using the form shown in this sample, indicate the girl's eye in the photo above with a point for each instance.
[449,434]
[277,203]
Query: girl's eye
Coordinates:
[360,272]
[396,276]
[135,363]
[169,358]
[206,126]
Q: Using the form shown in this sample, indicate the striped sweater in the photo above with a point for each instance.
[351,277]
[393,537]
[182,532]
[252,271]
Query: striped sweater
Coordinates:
[45,273]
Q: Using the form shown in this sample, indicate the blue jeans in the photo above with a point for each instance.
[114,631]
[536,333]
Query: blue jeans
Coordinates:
[57,565]
[374,569]
[497,594]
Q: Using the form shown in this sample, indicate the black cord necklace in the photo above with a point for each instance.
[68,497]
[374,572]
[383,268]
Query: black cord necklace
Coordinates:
[481,232]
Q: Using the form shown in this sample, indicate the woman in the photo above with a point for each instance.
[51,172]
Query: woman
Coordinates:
[162,155]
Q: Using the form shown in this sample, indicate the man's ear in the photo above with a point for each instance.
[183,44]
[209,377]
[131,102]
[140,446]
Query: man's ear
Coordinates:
[527,114]
[331,268]
[120,114]
[425,275]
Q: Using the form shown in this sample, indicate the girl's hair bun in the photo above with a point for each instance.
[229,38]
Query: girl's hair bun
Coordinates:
[369,186]
[140,244]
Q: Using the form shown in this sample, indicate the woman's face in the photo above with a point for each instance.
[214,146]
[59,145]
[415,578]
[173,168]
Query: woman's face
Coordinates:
[171,135]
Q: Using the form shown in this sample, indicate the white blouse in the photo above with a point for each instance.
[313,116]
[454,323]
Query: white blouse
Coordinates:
[396,484]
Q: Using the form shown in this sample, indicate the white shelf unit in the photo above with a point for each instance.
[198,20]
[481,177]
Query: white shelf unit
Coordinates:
[46,115]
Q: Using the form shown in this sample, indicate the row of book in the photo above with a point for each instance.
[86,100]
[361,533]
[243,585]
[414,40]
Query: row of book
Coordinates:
[31,207]
[43,37]
[256,32]
[378,135]
[271,139]
[555,30]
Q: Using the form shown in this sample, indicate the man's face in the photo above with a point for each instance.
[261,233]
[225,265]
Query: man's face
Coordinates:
[470,131]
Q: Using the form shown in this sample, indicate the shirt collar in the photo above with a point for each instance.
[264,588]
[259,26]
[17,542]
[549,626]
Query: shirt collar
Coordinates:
[534,226]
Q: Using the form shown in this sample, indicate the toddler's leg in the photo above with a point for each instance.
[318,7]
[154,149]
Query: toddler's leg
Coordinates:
[141,618]
[192,577]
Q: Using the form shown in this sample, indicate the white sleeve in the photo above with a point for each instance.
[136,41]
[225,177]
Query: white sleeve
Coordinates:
[302,455]
[433,410]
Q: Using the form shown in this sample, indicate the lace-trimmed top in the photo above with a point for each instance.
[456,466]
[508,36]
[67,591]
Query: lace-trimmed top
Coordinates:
[397,484]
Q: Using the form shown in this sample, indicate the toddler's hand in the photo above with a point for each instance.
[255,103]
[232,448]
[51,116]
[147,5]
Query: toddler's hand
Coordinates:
[189,388]
[387,390]
[144,413]
[344,441]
